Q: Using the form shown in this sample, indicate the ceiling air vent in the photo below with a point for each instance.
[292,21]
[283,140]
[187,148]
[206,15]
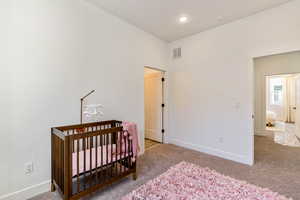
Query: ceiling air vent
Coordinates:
[177,53]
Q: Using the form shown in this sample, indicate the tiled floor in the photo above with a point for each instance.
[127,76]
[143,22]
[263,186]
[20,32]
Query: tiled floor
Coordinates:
[276,167]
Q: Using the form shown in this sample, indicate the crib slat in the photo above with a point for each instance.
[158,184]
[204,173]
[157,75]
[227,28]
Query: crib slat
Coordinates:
[59,175]
[73,149]
[118,151]
[56,158]
[121,151]
[91,160]
[104,154]
[125,153]
[52,162]
[77,157]
[96,160]
[106,142]
[84,163]
[70,160]
[111,155]
[101,144]
[67,168]
[62,164]
[60,172]
[116,154]
[130,154]
[62,176]
[87,142]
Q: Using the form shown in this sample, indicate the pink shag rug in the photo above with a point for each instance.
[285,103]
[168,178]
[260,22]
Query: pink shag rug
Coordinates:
[186,181]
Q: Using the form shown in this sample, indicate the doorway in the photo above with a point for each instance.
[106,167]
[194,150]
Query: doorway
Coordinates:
[276,111]
[281,108]
[154,106]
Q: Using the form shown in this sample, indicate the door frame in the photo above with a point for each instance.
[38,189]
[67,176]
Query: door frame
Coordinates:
[163,100]
[297,120]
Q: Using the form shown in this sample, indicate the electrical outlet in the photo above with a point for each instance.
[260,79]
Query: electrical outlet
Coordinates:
[221,140]
[28,168]
[237,105]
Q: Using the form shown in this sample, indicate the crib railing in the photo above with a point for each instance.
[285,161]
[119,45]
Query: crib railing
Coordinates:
[90,156]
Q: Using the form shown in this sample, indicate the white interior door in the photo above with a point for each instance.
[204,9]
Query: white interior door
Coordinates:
[297,111]
[153,106]
[293,105]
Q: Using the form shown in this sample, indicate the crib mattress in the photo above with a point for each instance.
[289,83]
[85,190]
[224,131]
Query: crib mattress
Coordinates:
[103,158]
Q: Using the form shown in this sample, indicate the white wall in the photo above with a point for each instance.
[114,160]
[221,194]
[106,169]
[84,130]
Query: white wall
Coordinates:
[62,50]
[211,86]
[5,92]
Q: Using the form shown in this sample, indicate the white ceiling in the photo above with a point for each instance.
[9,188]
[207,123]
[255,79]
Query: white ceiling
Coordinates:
[160,17]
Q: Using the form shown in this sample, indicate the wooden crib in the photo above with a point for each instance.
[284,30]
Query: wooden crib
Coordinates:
[88,157]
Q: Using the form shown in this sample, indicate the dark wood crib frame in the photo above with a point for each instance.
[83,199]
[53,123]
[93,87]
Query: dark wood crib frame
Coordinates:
[67,140]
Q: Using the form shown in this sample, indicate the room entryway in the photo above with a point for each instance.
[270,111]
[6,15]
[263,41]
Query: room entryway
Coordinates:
[154,106]
[277,102]
[281,108]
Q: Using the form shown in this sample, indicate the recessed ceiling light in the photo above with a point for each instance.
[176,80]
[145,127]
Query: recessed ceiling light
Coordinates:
[183,19]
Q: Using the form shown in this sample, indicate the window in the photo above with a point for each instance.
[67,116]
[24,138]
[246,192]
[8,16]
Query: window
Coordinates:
[276,91]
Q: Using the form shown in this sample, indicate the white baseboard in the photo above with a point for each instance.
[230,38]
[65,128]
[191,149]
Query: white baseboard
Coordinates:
[154,138]
[212,151]
[261,132]
[28,192]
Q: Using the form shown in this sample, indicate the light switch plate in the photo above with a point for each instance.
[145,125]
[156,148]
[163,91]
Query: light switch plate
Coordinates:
[28,168]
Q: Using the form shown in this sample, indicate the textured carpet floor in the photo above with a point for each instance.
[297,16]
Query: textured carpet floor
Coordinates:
[187,181]
[277,167]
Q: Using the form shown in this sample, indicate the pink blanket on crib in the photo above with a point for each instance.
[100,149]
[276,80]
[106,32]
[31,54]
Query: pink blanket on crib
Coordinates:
[103,158]
[132,130]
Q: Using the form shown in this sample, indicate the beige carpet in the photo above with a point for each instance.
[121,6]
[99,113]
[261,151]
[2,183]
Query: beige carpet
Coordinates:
[277,167]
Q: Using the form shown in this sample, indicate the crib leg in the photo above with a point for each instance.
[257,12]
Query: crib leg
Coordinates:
[134,176]
[52,187]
